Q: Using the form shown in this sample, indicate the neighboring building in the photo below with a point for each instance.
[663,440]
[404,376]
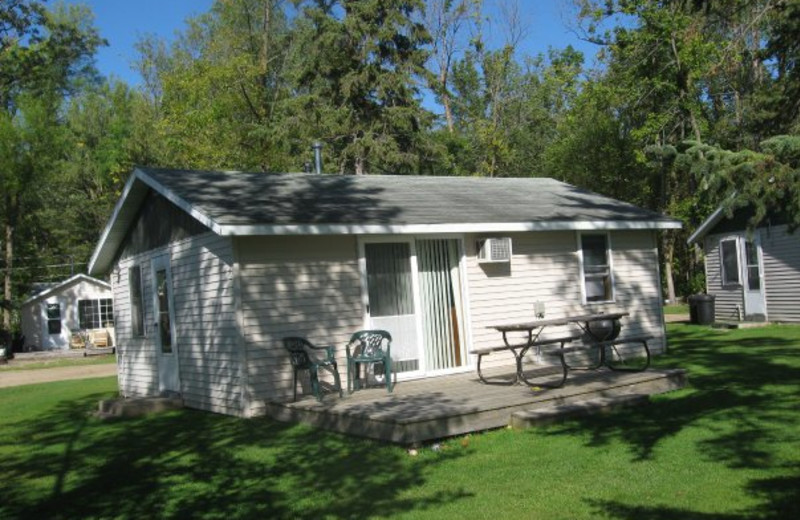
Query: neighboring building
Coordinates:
[78,305]
[753,276]
[210,270]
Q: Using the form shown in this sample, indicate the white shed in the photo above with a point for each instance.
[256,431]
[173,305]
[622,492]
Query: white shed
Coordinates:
[81,304]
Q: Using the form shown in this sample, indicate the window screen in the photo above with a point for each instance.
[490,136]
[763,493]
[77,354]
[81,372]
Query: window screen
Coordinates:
[389,279]
[730,262]
[137,303]
[53,318]
[596,268]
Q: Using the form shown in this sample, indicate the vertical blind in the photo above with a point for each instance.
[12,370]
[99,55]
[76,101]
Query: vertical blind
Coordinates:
[439,284]
[389,279]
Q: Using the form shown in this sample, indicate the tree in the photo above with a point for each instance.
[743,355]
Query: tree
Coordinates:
[359,68]
[219,95]
[445,20]
[43,55]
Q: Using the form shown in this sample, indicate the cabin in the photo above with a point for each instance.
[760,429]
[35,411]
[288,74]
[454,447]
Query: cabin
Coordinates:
[753,275]
[66,314]
[210,270]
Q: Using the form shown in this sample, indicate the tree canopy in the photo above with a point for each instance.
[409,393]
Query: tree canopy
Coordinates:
[692,104]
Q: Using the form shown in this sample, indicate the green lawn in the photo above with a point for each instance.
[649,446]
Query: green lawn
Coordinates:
[14,364]
[728,447]
[678,308]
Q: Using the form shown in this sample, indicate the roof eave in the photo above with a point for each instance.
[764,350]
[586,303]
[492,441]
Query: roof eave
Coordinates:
[125,212]
[405,229]
[706,226]
[47,292]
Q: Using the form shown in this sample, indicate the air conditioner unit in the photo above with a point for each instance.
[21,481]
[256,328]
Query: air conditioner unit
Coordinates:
[494,250]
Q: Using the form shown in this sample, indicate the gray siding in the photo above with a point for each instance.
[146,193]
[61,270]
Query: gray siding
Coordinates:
[781,255]
[207,337]
[545,267]
[295,286]
[728,299]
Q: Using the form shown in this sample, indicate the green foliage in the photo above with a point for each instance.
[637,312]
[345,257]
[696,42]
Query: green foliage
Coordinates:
[360,65]
[768,182]
[724,447]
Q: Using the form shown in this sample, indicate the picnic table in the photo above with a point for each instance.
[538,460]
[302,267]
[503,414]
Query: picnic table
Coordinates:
[601,330]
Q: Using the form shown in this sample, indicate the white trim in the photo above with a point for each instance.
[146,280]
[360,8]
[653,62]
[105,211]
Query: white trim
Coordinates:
[706,226]
[47,292]
[654,238]
[722,278]
[582,273]
[425,229]
[182,204]
[101,244]
[106,241]
[142,293]
[148,181]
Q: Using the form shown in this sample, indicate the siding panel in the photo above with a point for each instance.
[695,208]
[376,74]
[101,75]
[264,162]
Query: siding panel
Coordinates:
[545,268]
[728,300]
[306,286]
[781,254]
[206,330]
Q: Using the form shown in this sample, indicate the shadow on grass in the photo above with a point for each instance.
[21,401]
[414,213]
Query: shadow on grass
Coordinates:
[191,464]
[742,399]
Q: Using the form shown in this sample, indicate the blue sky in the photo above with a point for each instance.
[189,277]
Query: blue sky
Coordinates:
[123,22]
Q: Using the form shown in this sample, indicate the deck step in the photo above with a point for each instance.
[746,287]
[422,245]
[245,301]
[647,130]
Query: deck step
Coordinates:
[550,414]
[136,407]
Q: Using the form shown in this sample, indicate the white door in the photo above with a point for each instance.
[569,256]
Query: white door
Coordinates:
[164,327]
[388,272]
[752,279]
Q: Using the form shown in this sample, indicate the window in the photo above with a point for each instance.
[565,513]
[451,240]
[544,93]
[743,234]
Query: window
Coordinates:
[53,318]
[137,303]
[730,261]
[96,314]
[753,272]
[597,280]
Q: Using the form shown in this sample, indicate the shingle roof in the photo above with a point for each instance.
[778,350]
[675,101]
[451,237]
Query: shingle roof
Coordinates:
[253,199]
[239,203]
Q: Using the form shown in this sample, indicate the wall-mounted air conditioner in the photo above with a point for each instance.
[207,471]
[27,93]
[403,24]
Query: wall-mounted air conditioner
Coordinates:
[494,250]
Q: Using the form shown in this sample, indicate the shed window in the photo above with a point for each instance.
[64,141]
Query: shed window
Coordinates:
[137,303]
[730,261]
[96,314]
[597,280]
[753,271]
[53,318]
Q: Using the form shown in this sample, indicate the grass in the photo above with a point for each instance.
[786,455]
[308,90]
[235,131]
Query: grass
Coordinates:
[15,365]
[678,308]
[728,447]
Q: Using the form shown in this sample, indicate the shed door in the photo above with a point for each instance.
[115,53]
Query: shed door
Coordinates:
[164,327]
[753,280]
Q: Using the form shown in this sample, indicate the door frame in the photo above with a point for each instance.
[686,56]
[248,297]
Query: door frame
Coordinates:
[157,263]
[761,294]
[411,239]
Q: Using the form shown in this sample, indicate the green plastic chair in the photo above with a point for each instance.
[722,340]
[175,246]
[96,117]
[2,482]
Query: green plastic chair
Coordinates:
[369,347]
[299,349]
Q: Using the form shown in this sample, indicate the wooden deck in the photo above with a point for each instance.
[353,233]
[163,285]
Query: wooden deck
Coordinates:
[433,408]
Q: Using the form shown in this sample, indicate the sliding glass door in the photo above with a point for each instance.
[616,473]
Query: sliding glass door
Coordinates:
[413,289]
[440,299]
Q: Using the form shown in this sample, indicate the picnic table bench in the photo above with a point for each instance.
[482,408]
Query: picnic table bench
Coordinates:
[533,329]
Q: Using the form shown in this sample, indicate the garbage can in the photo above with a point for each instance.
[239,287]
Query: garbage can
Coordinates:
[701,309]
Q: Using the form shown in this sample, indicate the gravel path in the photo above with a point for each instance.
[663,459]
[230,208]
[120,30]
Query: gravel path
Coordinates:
[47,375]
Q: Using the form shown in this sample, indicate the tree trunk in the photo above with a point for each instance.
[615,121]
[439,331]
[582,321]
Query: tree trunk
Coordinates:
[11,207]
[669,254]
[448,112]
[359,166]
